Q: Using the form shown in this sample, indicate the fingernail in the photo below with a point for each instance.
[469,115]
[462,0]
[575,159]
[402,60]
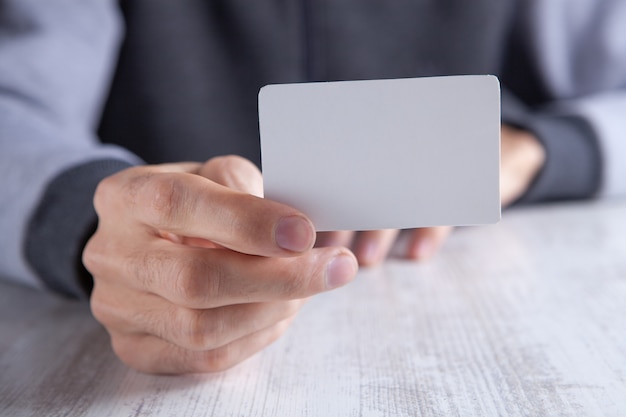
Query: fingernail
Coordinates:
[294,233]
[340,270]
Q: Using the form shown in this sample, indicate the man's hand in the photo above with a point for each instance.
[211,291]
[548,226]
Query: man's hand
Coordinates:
[522,157]
[194,272]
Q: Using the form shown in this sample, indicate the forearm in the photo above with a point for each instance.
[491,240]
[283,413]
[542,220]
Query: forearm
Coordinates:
[604,116]
[34,156]
[571,163]
[56,59]
[570,66]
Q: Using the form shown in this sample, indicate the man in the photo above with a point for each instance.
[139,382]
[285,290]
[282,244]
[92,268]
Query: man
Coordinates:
[191,270]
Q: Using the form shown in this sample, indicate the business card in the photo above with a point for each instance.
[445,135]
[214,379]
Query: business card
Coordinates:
[378,154]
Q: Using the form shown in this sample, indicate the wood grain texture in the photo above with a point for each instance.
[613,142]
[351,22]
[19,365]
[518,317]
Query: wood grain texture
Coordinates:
[525,318]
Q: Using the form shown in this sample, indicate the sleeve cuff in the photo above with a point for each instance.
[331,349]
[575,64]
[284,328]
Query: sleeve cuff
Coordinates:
[573,167]
[61,225]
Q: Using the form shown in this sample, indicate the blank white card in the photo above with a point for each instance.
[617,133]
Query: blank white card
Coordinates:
[402,153]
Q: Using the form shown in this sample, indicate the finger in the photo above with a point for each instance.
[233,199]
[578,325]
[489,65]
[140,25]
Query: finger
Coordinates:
[208,278]
[230,171]
[425,243]
[189,205]
[150,354]
[191,329]
[372,247]
[234,172]
[214,278]
[338,238]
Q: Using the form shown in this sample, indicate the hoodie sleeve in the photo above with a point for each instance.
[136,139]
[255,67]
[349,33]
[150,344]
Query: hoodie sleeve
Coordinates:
[56,62]
[578,50]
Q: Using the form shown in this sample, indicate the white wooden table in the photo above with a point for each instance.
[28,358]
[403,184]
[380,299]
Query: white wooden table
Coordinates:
[525,318]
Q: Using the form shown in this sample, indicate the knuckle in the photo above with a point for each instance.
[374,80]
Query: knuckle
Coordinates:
[144,268]
[157,195]
[190,331]
[166,198]
[99,307]
[91,256]
[300,280]
[241,229]
[105,192]
[94,254]
[195,282]
[108,189]
[199,331]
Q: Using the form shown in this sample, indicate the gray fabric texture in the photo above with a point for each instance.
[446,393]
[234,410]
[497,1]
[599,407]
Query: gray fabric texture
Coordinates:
[56,62]
[67,204]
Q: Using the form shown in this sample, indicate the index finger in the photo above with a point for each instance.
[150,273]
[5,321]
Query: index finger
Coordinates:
[190,205]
